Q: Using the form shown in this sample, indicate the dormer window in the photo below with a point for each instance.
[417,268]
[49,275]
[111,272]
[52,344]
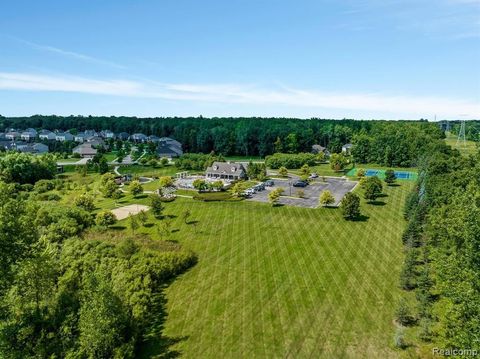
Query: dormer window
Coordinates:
[215,168]
[234,169]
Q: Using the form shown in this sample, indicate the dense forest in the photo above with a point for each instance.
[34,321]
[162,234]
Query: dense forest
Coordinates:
[442,245]
[387,143]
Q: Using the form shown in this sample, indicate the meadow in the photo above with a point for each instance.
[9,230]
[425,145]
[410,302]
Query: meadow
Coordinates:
[281,281]
[470,149]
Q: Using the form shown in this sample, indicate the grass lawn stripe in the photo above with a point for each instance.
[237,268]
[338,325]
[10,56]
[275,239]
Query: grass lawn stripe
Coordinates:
[274,281]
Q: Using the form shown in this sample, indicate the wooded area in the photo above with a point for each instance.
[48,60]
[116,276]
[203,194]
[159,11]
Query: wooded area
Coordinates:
[387,143]
[442,244]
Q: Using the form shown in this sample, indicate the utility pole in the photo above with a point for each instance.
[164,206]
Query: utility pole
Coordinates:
[461,140]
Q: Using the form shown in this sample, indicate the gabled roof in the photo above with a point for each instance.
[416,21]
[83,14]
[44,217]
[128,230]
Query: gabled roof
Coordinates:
[227,168]
[139,135]
[164,148]
[170,141]
[318,148]
[64,134]
[123,135]
[85,149]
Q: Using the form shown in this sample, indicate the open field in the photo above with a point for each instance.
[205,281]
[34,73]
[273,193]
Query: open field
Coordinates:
[284,281]
[451,140]
[277,282]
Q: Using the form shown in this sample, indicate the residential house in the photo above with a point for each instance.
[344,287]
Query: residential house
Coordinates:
[320,149]
[46,135]
[12,135]
[138,137]
[80,137]
[91,133]
[168,147]
[123,136]
[64,136]
[153,138]
[347,148]
[85,150]
[96,141]
[107,134]
[226,170]
[35,148]
[29,135]
[4,144]
[15,145]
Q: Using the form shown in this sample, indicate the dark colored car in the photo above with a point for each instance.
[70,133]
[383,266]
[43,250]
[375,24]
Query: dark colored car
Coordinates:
[300,184]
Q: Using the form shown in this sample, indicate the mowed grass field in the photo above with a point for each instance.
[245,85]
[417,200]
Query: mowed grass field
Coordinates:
[285,282]
[470,149]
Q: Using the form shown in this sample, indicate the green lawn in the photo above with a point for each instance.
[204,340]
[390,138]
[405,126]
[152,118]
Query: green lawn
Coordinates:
[470,149]
[285,281]
[110,156]
[149,171]
[277,282]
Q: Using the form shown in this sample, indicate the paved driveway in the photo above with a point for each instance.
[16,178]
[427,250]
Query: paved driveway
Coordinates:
[338,186]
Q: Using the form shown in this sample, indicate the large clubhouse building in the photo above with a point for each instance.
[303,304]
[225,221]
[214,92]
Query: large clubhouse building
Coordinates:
[226,170]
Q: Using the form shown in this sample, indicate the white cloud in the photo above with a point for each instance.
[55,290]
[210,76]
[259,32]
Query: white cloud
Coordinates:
[70,54]
[286,98]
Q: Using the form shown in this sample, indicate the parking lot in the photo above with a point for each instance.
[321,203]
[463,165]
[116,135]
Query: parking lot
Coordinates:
[337,186]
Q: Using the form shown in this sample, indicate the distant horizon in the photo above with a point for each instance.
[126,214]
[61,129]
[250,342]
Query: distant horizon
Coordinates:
[244,117]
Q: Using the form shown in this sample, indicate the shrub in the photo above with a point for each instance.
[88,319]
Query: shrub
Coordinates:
[403,314]
[166,181]
[85,201]
[390,177]
[27,187]
[43,186]
[290,160]
[105,219]
[135,188]
[373,188]
[399,339]
[48,197]
[350,206]
[282,171]
[326,198]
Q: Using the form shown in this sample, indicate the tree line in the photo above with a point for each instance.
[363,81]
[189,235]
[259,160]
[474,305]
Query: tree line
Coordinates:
[258,136]
[442,247]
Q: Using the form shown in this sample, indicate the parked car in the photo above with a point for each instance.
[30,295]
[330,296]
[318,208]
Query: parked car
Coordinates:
[300,184]
[269,183]
[313,175]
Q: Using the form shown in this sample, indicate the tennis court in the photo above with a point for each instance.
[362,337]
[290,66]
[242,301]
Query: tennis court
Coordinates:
[401,175]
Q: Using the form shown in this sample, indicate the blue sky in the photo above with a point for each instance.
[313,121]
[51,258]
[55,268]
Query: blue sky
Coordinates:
[324,58]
